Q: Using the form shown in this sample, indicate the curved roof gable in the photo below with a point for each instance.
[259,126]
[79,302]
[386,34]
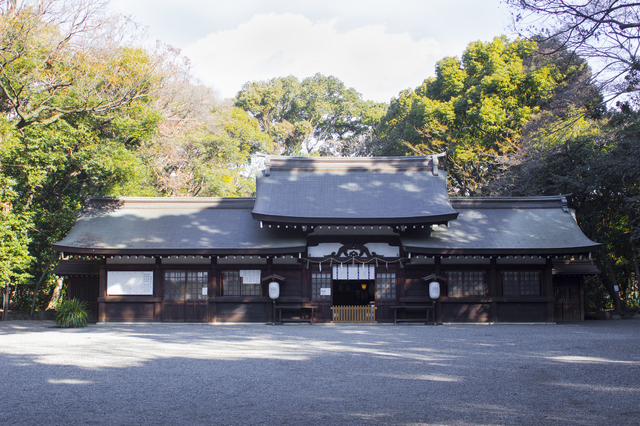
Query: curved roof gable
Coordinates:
[352,191]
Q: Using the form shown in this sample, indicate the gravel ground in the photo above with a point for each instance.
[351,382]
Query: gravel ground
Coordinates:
[579,374]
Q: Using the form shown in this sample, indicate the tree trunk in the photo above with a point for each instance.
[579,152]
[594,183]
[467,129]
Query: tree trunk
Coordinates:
[57,292]
[35,292]
[612,287]
[635,264]
[5,307]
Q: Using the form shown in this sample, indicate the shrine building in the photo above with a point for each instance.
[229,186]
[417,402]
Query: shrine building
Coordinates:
[338,240]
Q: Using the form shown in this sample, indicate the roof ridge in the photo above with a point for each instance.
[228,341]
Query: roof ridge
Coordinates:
[170,202]
[545,201]
[352,164]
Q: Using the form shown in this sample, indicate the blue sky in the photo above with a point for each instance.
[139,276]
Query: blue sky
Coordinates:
[378,47]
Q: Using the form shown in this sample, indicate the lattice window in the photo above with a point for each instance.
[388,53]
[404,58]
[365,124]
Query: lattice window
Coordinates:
[385,286]
[232,285]
[521,283]
[185,285]
[251,289]
[466,283]
[174,284]
[319,281]
[196,282]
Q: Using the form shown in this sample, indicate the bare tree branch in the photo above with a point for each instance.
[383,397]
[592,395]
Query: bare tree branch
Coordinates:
[606,32]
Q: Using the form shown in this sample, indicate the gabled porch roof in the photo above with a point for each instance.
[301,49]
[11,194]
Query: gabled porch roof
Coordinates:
[352,191]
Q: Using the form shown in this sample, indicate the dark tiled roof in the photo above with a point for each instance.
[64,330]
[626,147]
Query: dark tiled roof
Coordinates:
[156,226]
[504,226]
[352,191]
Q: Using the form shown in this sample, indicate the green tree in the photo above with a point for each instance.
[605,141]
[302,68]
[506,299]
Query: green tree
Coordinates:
[318,114]
[597,160]
[75,110]
[215,158]
[202,146]
[57,61]
[474,109]
[14,240]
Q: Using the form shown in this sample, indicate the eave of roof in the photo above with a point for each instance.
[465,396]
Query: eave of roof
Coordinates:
[442,219]
[176,226]
[502,227]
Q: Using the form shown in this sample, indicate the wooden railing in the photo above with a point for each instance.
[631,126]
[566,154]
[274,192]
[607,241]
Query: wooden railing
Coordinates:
[354,314]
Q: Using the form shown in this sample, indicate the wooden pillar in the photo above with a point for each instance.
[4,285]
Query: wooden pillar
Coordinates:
[401,280]
[158,290]
[493,290]
[437,262]
[269,265]
[547,288]
[102,315]
[214,290]
[581,290]
[305,281]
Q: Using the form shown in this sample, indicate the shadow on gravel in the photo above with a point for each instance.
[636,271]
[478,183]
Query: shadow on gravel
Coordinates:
[573,375]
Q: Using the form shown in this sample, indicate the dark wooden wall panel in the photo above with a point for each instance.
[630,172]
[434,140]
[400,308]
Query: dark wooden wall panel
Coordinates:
[568,300]
[292,286]
[85,289]
[414,285]
[322,313]
[185,312]
[142,312]
[173,312]
[196,312]
[383,313]
[241,312]
[416,288]
[466,312]
[522,312]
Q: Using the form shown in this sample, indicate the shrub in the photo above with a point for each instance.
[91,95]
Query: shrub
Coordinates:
[72,313]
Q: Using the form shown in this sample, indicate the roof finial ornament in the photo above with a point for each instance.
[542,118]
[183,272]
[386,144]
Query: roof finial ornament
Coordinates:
[565,205]
[267,165]
[434,162]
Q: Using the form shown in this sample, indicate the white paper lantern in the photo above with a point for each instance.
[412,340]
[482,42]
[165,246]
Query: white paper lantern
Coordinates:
[434,290]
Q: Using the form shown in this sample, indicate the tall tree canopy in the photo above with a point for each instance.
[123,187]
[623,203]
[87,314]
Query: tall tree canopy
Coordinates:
[475,108]
[202,146]
[318,114]
[75,105]
[57,61]
[87,112]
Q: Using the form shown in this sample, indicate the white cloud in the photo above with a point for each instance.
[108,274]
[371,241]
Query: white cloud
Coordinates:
[373,61]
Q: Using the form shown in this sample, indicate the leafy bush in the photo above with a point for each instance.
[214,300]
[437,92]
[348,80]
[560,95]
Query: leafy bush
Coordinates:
[72,313]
